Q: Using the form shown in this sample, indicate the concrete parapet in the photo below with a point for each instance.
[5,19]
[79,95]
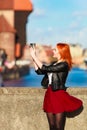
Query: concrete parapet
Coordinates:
[21,109]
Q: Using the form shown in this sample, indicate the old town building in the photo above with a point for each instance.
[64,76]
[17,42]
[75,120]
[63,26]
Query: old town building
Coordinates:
[13,19]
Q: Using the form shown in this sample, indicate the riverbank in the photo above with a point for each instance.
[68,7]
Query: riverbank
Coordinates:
[76,78]
[21,109]
[16,72]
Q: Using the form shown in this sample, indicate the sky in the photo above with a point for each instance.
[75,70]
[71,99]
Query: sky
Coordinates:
[54,21]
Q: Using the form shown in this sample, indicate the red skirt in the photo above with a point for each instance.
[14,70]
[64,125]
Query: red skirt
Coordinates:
[60,101]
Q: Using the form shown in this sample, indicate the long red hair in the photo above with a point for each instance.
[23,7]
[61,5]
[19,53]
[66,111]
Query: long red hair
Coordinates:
[65,54]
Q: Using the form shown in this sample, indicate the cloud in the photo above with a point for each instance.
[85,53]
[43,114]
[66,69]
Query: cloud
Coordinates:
[74,25]
[50,29]
[46,37]
[68,25]
[80,13]
[80,3]
[82,35]
[78,20]
[75,37]
[39,12]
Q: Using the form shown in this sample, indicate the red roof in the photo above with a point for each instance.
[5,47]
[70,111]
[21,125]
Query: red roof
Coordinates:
[5,26]
[16,5]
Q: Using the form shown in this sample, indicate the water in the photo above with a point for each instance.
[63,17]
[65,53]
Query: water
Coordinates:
[76,78]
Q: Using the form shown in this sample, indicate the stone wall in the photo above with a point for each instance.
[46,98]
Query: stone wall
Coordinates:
[21,109]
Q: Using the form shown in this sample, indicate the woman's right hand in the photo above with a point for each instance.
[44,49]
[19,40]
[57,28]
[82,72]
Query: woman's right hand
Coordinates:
[32,51]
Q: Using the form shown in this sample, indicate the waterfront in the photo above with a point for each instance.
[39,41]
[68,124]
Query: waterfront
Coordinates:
[76,78]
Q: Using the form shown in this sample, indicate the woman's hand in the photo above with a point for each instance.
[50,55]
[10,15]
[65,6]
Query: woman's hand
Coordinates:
[35,58]
[32,51]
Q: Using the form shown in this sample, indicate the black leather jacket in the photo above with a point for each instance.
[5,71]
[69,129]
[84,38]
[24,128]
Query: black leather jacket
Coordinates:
[59,74]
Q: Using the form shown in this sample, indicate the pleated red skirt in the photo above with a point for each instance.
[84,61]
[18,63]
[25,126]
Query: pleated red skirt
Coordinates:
[60,101]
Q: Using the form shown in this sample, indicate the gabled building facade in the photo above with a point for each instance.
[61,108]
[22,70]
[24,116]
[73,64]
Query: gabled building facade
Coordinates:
[13,19]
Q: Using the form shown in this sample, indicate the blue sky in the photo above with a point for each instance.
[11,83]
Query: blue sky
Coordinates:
[54,21]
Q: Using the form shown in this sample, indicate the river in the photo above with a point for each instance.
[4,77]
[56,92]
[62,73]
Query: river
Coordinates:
[76,78]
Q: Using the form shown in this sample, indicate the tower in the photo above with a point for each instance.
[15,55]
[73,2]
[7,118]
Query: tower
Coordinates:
[13,18]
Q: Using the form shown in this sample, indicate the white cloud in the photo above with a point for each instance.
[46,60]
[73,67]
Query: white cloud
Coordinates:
[80,13]
[74,25]
[75,37]
[50,29]
[50,36]
[38,12]
[80,3]
[73,30]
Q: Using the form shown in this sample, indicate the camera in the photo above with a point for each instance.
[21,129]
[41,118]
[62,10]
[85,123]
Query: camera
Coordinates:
[32,44]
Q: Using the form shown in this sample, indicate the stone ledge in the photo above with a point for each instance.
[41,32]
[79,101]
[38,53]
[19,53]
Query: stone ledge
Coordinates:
[21,109]
[32,90]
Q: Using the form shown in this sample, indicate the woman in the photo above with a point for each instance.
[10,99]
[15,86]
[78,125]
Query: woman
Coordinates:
[57,101]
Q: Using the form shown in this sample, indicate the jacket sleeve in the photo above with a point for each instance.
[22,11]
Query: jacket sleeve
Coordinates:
[40,71]
[59,67]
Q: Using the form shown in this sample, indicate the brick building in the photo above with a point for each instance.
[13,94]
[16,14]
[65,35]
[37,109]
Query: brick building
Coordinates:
[13,18]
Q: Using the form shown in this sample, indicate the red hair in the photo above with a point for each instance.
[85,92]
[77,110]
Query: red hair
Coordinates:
[65,54]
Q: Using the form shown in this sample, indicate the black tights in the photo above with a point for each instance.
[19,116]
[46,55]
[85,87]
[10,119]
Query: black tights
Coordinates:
[56,121]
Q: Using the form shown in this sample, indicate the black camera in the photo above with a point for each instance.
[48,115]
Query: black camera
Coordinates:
[32,44]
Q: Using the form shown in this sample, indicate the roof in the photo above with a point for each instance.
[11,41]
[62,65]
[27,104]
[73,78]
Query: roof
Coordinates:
[5,26]
[16,5]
